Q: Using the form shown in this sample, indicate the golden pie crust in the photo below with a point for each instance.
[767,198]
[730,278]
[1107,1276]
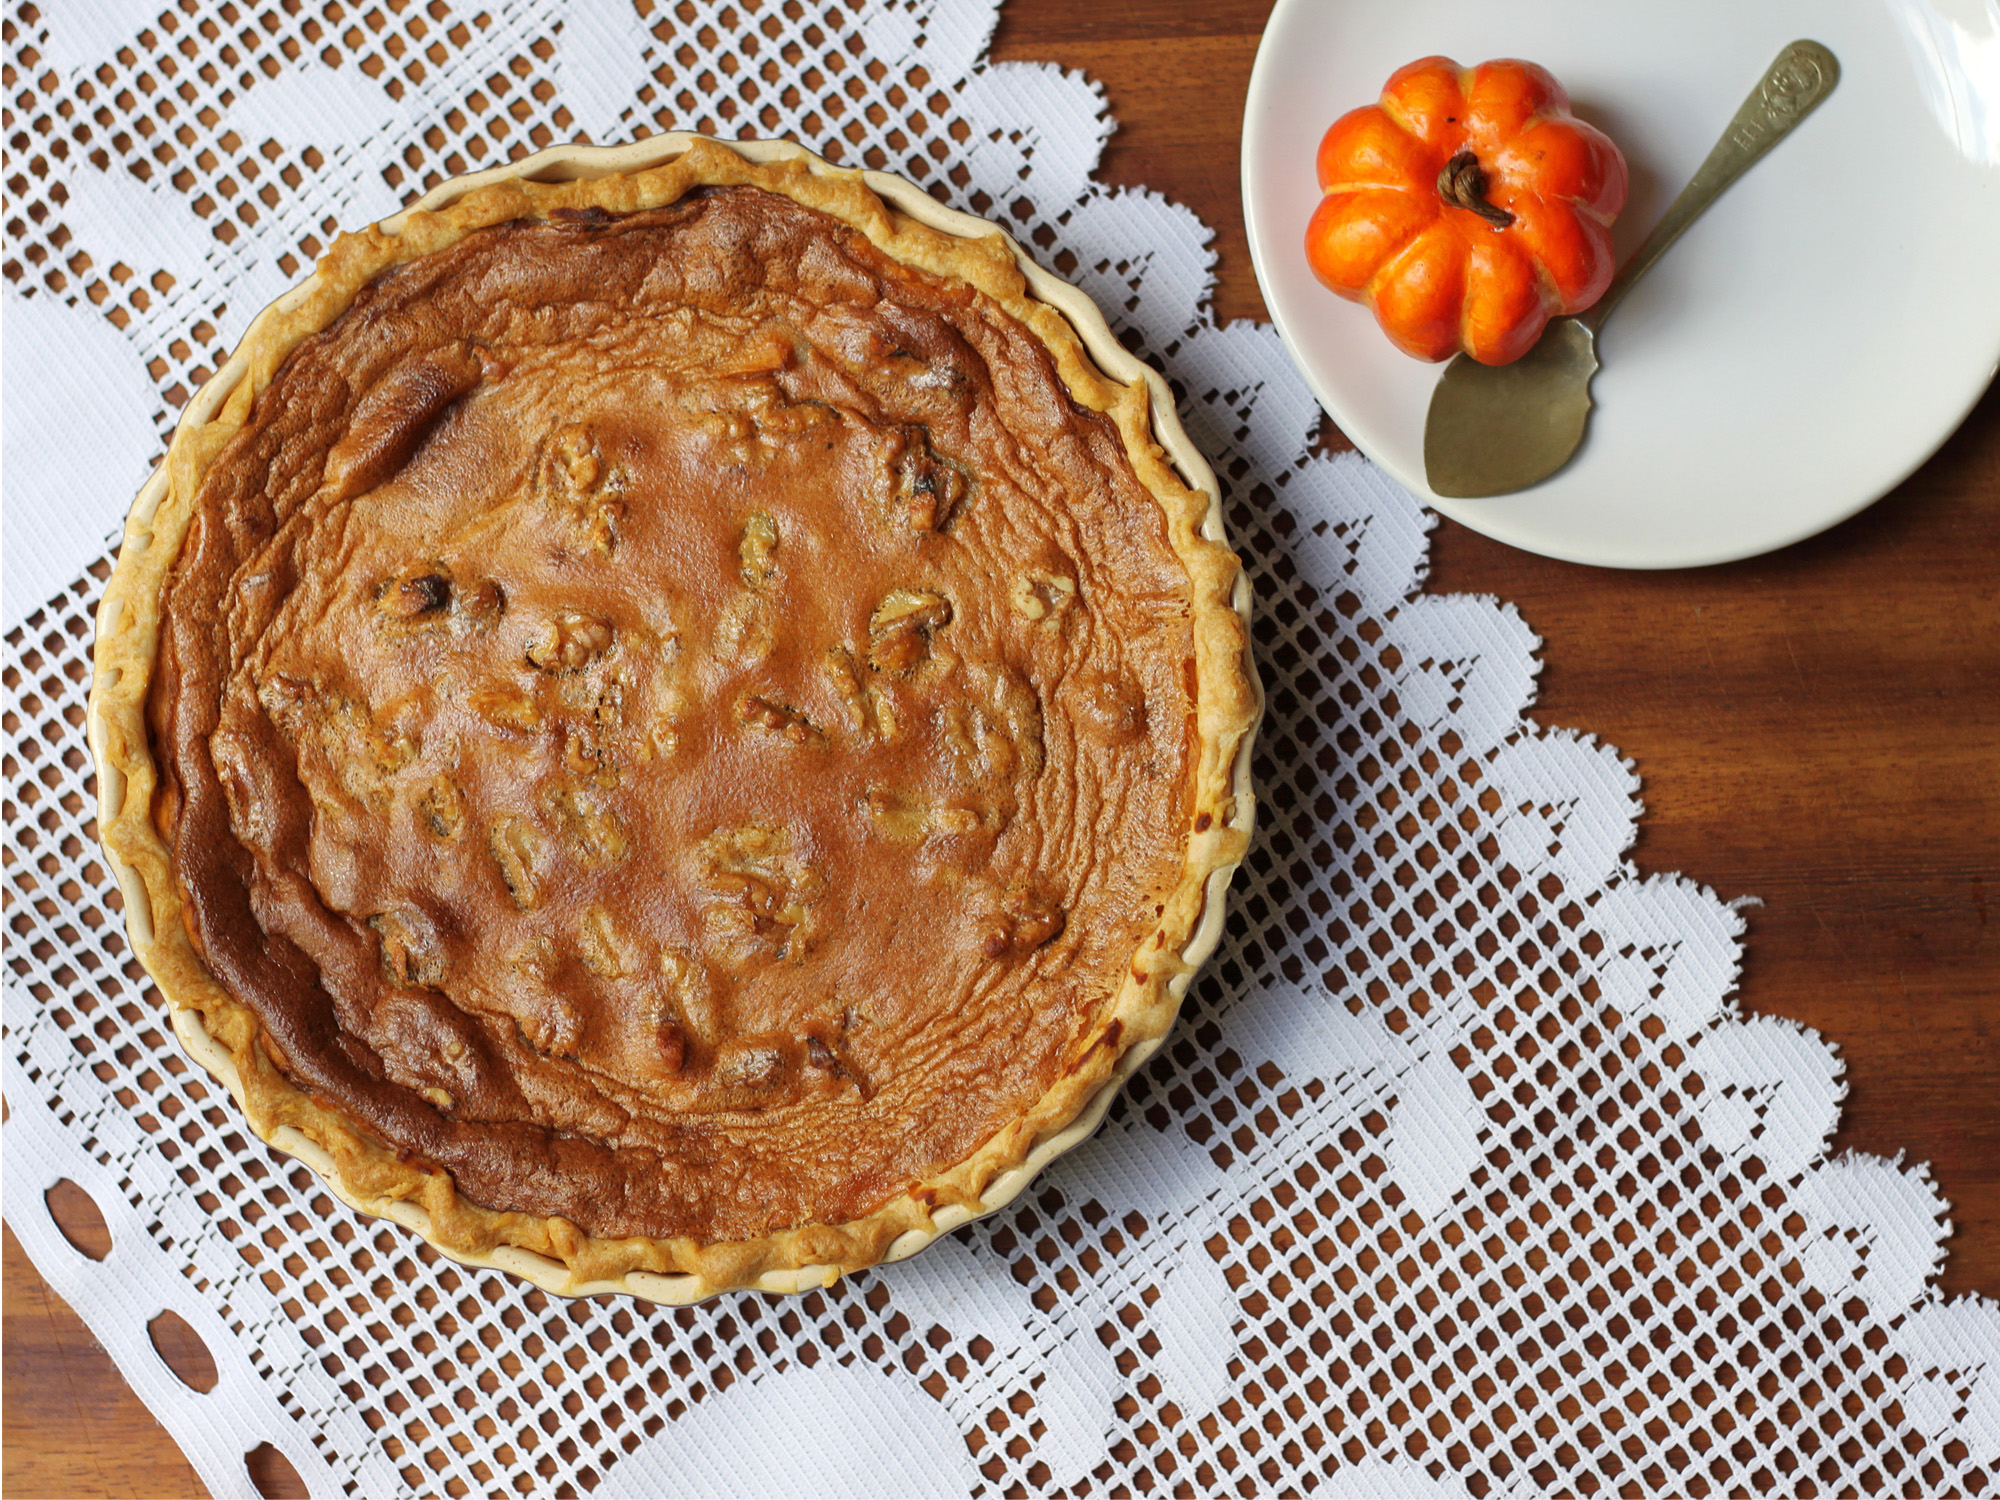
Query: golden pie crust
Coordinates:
[840,671]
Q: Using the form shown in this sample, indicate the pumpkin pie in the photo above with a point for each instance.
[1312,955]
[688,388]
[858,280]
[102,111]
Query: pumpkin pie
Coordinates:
[680,728]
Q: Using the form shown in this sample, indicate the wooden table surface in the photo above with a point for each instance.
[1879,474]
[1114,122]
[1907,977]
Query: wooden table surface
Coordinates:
[1819,728]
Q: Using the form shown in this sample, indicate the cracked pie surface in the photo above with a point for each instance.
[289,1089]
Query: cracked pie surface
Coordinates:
[676,723]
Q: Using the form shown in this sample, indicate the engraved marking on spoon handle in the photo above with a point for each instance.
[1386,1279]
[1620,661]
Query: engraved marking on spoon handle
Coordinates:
[1791,88]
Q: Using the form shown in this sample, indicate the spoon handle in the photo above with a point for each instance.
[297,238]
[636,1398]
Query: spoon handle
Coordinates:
[1791,88]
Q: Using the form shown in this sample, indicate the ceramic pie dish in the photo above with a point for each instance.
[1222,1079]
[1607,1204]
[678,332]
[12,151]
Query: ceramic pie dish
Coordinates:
[677,718]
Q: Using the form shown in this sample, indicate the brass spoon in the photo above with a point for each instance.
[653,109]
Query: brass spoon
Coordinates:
[1495,429]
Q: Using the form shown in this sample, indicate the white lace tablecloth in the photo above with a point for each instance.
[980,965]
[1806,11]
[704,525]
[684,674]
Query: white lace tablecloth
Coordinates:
[1463,1174]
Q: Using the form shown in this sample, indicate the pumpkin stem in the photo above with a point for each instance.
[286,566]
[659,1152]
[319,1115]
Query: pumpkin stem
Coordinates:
[1463,184]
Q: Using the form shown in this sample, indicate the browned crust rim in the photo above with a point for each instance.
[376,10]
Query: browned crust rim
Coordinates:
[223,1034]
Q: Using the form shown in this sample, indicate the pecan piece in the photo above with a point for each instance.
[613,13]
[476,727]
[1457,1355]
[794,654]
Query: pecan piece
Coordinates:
[588,760]
[595,834]
[757,552]
[757,896]
[748,1066]
[840,667]
[572,466]
[690,994]
[505,707]
[1044,597]
[442,807]
[409,947]
[600,527]
[836,1056]
[516,846]
[480,605]
[924,486]
[575,481]
[786,723]
[834,1059]
[361,755]
[1026,920]
[602,945]
[899,632]
[569,643]
[548,1022]
[419,592]
[553,1027]
[950,820]
[868,704]
[672,1043]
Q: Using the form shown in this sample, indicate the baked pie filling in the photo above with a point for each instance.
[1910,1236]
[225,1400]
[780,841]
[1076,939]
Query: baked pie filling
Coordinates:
[677,722]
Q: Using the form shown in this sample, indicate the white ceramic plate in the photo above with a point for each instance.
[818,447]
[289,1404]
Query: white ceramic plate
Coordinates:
[1810,341]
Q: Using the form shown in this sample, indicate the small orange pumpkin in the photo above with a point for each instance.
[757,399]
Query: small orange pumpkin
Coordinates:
[1466,208]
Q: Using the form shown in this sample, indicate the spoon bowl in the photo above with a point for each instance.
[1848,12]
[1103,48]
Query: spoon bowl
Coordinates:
[1495,429]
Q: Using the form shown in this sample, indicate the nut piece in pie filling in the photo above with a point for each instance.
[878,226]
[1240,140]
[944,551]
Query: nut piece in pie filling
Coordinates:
[676,719]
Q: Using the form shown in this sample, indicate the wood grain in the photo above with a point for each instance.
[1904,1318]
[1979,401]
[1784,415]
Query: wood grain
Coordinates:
[1819,729]
[72,1426]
